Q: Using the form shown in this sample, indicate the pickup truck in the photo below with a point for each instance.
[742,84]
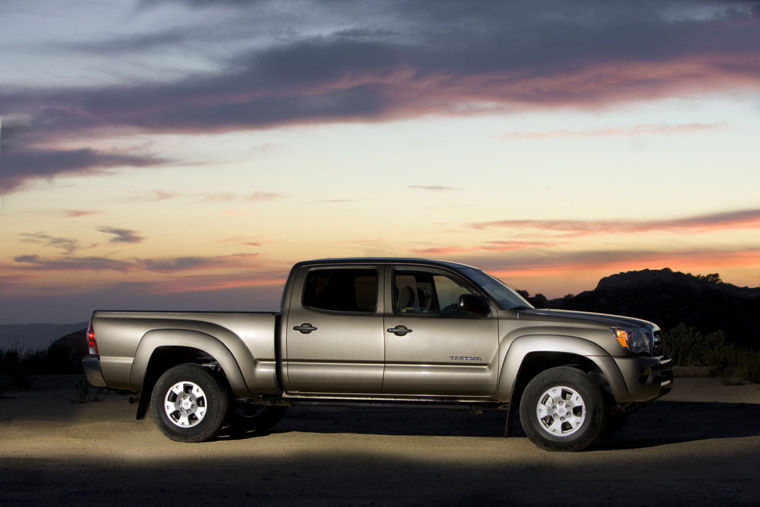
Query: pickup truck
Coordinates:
[383,332]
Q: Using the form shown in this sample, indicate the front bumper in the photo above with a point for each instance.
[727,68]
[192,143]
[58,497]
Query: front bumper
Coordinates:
[91,367]
[646,378]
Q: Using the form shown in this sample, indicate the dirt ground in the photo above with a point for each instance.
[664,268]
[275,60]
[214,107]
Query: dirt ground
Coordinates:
[699,445]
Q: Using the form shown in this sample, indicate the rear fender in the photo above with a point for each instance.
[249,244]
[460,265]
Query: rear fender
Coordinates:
[209,345]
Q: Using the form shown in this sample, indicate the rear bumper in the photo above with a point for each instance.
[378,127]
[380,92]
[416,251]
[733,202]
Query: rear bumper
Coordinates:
[646,378]
[91,367]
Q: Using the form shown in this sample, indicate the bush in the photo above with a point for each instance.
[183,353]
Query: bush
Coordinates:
[61,357]
[689,347]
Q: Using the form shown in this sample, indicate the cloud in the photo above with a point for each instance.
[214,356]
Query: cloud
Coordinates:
[121,235]
[72,263]
[568,264]
[231,196]
[193,263]
[21,166]
[636,130]
[240,240]
[161,195]
[76,213]
[434,188]
[738,219]
[491,246]
[335,201]
[69,245]
[448,59]
[182,264]
[416,58]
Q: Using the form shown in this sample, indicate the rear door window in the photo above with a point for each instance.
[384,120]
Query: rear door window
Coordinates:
[341,290]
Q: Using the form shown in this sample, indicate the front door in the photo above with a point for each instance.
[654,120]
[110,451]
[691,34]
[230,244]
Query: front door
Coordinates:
[431,346]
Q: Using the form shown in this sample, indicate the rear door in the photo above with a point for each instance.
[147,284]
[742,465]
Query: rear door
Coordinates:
[432,347]
[334,337]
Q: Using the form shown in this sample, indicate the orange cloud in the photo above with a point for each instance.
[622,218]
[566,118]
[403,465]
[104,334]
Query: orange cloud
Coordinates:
[491,246]
[573,264]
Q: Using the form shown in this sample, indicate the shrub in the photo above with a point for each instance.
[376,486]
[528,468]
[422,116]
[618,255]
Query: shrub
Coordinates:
[689,347]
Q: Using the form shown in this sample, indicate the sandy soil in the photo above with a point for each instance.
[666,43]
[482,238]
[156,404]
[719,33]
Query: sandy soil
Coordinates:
[699,445]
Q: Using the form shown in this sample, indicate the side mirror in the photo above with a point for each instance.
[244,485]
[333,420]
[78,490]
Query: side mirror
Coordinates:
[471,303]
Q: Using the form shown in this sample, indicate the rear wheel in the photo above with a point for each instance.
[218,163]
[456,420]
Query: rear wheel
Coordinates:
[562,410]
[189,403]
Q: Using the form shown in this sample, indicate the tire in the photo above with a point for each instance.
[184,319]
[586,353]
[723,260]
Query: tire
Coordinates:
[257,418]
[189,403]
[561,409]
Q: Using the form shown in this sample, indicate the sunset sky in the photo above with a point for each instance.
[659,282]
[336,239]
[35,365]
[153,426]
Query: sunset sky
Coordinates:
[183,154]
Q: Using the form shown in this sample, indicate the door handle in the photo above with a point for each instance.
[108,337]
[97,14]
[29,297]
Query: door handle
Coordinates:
[399,330]
[305,328]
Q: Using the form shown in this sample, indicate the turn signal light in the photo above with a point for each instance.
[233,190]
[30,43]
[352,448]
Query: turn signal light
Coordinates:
[621,335]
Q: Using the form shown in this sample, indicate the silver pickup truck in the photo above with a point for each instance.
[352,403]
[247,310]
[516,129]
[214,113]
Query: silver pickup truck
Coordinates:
[383,331]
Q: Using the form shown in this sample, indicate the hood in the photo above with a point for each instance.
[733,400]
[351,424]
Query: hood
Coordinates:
[599,318]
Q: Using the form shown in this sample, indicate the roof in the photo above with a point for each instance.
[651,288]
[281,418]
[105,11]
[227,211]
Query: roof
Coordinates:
[385,260]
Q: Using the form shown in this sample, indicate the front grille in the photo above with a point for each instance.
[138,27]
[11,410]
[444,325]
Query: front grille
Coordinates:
[657,345]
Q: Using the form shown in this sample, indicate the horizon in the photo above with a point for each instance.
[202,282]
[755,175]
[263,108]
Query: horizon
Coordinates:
[183,155]
[275,305]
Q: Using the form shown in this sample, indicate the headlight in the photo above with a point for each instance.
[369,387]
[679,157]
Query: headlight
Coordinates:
[634,339]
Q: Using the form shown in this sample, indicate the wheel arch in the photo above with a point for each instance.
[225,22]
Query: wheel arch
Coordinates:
[160,350]
[529,355]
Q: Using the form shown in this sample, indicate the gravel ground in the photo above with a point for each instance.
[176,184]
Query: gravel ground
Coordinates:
[699,445]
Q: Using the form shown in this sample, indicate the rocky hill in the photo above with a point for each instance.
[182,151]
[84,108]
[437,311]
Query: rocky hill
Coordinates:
[669,297]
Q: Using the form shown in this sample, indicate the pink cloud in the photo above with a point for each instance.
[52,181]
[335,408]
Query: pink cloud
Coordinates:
[740,219]
[242,240]
[636,130]
[79,213]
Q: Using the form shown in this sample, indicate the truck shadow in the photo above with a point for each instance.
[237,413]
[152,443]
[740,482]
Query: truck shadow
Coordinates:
[660,423]
[667,422]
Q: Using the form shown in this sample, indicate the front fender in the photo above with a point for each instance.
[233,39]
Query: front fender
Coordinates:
[206,343]
[561,344]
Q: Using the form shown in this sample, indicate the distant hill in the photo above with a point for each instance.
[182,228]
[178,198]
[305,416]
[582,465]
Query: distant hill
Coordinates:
[668,298]
[29,337]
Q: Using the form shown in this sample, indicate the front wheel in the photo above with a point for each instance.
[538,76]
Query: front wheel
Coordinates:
[562,410]
[189,403]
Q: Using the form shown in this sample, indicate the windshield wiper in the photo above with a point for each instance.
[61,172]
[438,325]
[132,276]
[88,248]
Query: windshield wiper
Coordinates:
[519,308]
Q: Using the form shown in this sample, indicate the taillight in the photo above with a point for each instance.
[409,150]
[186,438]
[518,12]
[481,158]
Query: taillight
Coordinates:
[91,343]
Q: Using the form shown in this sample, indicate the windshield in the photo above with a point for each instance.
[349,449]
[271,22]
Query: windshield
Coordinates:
[505,297]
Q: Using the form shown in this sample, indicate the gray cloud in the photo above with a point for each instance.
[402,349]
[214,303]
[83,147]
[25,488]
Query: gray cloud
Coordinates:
[21,166]
[73,263]
[162,264]
[191,263]
[68,245]
[121,235]
[360,61]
